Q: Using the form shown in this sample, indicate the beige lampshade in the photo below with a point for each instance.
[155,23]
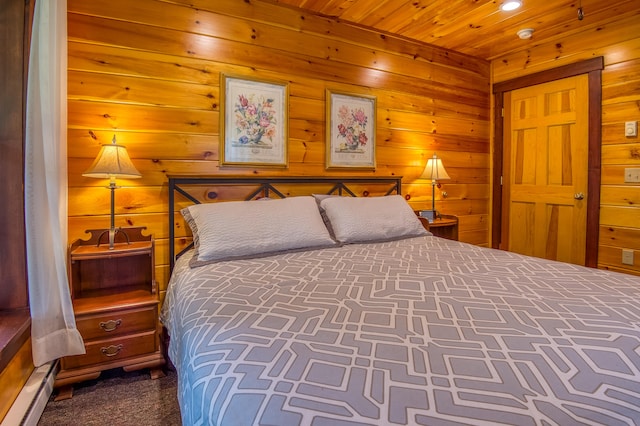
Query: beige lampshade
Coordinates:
[112,161]
[434,170]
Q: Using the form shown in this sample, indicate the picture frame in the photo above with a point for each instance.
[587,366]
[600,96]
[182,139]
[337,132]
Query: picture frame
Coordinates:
[351,130]
[253,122]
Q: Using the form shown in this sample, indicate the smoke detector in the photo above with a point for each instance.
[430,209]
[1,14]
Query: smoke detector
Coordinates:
[525,33]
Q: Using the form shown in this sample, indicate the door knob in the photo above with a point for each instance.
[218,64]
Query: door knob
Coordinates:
[578,196]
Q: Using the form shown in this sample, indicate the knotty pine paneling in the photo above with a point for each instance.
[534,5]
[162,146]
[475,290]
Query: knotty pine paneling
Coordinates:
[149,72]
[304,22]
[619,43]
[474,27]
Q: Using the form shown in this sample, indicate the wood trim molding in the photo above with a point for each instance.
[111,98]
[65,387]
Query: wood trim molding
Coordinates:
[592,67]
[570,70]
[15,322]
[594,167]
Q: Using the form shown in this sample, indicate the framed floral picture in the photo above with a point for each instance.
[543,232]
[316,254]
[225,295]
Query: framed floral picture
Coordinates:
[253,122]
[351,130]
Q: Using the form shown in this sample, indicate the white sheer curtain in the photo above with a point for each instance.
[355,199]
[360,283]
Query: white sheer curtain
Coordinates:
[53,328]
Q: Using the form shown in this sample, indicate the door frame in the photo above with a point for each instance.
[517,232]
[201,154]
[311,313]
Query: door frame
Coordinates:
[592,67]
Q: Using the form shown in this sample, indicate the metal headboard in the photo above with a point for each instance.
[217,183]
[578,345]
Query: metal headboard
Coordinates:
[266,187]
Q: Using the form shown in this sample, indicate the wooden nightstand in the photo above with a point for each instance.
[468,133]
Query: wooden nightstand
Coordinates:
[446,226]
[115,301]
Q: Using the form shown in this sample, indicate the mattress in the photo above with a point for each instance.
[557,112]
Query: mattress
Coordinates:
[418,331]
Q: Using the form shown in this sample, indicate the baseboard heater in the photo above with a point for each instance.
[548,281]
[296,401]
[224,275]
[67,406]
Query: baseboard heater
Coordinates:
[32,399]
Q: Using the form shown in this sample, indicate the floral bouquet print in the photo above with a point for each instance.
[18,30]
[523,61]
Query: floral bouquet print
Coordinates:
[255,120]
[352,124]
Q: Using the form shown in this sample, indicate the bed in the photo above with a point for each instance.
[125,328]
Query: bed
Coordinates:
[387,326]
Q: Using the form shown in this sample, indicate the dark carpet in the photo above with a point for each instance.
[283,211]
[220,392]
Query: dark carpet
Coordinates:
[118,398]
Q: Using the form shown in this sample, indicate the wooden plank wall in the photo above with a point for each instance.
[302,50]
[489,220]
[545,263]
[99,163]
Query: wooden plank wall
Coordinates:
[619,43]
[149,72]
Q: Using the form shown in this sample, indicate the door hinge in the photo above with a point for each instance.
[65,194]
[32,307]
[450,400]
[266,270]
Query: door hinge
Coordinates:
[500,180]
[502,112]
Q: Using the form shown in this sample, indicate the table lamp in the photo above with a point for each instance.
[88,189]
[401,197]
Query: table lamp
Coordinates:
[112,162]
[434,170]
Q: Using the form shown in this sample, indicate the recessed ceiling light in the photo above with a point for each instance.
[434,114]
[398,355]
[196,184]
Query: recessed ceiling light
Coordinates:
[510,5]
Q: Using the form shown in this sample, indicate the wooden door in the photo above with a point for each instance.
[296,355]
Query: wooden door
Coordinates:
[545,166]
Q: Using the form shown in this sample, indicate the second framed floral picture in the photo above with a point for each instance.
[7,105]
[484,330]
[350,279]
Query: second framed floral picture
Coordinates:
[253,123]
[351,130]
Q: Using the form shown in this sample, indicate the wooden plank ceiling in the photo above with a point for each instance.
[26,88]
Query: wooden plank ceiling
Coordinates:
[475,27]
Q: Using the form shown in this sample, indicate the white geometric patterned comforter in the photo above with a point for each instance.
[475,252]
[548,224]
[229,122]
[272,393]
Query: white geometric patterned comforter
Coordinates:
[422,331]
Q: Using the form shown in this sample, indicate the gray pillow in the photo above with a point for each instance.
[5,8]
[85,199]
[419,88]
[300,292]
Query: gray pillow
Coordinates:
[241,229]
[368,219]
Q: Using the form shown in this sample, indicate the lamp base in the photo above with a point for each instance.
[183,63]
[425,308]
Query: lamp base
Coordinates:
[430,215]
[112,236]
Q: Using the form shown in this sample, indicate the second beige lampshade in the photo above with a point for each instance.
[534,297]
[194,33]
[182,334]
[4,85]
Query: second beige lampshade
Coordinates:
[434,171]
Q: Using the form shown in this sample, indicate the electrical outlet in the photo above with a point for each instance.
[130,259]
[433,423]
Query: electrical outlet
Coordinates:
[627,257]
[631,128]
[631,175]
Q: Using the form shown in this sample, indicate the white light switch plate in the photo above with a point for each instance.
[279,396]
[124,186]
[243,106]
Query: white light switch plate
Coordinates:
[631,175]
[631,128]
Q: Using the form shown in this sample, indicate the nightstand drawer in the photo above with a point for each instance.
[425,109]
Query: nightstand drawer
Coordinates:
[117,323]
[109,350]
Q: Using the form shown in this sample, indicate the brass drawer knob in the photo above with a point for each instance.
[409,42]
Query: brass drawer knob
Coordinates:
[111,350]
[110,325]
